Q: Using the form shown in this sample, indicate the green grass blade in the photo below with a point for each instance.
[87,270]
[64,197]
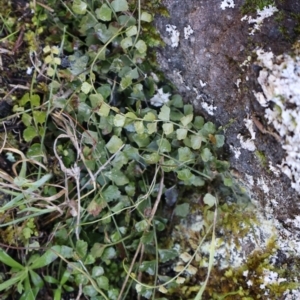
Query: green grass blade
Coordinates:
[6,259]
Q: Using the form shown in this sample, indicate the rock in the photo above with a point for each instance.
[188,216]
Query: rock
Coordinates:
[211,59]
[215,68]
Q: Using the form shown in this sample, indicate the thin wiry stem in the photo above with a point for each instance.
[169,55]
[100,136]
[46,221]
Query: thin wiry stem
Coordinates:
[153,212]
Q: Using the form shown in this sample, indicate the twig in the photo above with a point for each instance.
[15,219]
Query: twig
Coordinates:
[18,86]
[45,6]
[156,203]
[5,138]
[263,130]
[79,292]
[129,270]
[19,40]
[140,272]
[10,92]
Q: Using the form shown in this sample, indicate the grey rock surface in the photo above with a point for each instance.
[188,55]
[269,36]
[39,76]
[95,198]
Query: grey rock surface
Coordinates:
[215,67]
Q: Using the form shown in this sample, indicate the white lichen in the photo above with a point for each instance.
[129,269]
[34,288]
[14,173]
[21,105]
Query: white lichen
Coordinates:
[274,170]
[246,62]
[188,31]
[236,151]
[202,83]
[271,277]
[266,12]
[174,35]
[179,76]
[247,144]
[209,108]
[155,77]
[160,98]
[227,4]
[250,126]
[238,82]
[29,70]
[261,183]
[250,179]
[261,99]
[280,82]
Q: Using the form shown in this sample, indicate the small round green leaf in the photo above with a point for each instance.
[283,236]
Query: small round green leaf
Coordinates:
[219,140]
[29,133]
[148,267]
[131,115]
[141,226]
[26,119]
[166,255]
[114,144]
[206,155]
[184,174]
[209,199]
[181,134]
[149,117]
[169,165]
[187,119]
[131,31]
[35,151]
[195,141]
[119,5]
[97,271]
[109,253]
[164,145]
[198,122]
[117,176]
[96,100]
[103,282]
[81,248]
[182,210]
[139,127]
[39,116]
[152,127]
[177,101]
[142,140]
[152,158]
[86,87]
[126,43]
[141,46]
[164,113]
[146,17]
[228,181]
[168,128]
[185,154]
[89,291]
[125,82]
[79,7]
[103,13]
[104,110]
[119,120]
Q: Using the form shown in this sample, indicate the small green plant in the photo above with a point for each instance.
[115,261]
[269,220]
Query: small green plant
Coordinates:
[28,283]
[105,142]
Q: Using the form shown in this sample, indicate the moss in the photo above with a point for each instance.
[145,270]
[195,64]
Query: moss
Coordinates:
[247,281]
[251,6]
[290,34]
[242,283]
[281,17]
[261,157]
[296,17]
